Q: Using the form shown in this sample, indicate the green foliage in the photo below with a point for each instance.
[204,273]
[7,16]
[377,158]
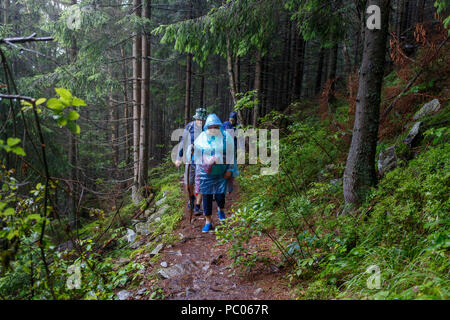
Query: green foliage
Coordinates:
[64,110]
[12,146]
[232,29]
[326,20]
[402,227]
[441,7]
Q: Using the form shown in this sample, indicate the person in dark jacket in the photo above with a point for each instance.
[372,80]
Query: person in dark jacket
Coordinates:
[192,130]
[232,122]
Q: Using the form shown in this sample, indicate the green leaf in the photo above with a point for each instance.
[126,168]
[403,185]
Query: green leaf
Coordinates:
[73,127]
[62,122]
[40,101]
[77,102]
[64,93]
[9,212]
[12,141]
[65,96]
[19,151]
[55,104]
[73,115]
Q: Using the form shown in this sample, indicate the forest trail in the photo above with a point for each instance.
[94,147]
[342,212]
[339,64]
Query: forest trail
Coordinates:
[198,268]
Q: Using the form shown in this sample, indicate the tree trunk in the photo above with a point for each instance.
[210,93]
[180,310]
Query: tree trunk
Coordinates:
[360,173]
[232,79]
[137,68]
[332,74]
[258,69]
[318,86]
[202,88]
[299,68]
[126,110]
[187,98]
[145,100]
[5,11]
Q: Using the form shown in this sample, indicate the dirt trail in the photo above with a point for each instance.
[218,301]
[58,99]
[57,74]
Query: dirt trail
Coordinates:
[205,269]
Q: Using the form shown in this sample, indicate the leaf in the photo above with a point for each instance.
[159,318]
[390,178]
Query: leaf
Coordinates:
[62,122]
[40,101]
[55,104]
[34,216]
[12,141]
[77,102]
[64,93]
[25,103]
[73,127]
[9,212]
[65,96]
[73,115]
[19,151]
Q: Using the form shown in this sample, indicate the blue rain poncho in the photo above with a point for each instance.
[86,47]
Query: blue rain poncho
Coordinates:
[210,156]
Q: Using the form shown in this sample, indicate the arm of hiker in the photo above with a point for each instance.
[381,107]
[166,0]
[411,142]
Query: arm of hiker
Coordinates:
[181,147]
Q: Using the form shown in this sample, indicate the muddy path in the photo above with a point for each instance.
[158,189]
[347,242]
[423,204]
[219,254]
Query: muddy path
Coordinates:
[198,268]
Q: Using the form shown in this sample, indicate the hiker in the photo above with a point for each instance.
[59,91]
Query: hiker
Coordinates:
[229,125]
[232,122]
[212,171]
[193,130]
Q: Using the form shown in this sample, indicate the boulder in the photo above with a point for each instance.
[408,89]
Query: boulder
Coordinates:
[414,134]
[387,160]
[427,109]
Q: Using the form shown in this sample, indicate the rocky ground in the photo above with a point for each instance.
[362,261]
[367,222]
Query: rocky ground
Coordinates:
[196,267]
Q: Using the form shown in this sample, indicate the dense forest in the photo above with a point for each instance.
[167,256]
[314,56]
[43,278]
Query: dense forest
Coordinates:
[92,205]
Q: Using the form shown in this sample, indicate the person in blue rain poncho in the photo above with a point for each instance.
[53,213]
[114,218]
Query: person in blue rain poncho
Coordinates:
[214,169]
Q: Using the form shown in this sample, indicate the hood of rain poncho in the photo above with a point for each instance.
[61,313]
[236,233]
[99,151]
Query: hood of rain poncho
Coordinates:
[209,170]
[233,115]
[213,120]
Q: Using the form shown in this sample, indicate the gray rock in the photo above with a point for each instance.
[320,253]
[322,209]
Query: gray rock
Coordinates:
[123,261]
[124,295]
[174,271]
[141,291]
[157,249]
[414,134]
[136,244]
[164,264]
[175,253]
[143,228]
[387,160]
[178,270]
[427,109]
[166,193]
[131,235]
[258,291]
[158,214]
[160,201]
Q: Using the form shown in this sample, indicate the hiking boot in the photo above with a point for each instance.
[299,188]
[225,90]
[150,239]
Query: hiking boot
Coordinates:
[207,228]
[197,210]
[222,216]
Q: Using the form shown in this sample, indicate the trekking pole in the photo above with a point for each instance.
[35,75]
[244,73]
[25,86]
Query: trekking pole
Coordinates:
[191,209]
